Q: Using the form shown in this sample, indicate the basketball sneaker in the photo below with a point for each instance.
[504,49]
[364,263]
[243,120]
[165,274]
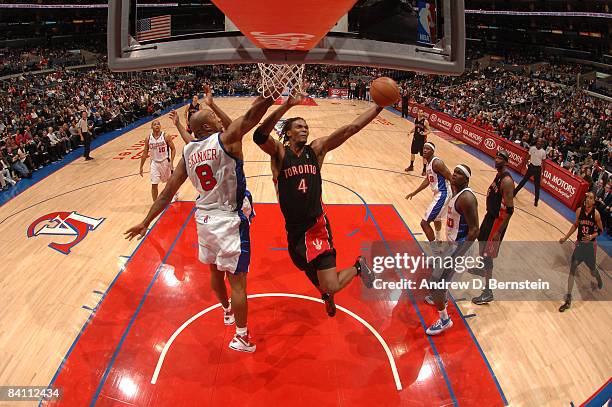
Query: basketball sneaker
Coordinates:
[242,343]
[409,168]
[429,300]
[363,271]
[595,273]
[228,317]
[567,304]
[484,298]
[330,306]
[439,326]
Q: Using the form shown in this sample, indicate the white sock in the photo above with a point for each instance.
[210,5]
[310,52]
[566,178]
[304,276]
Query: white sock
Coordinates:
[241,331]
[443,314]
[228,309]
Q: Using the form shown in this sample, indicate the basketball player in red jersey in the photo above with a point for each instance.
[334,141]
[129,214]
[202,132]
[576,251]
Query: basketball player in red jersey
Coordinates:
[588,223]
[160,147]
[500,207]
[208,101]
[296,168]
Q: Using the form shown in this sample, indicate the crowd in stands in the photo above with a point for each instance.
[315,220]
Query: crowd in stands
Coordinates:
[38,112]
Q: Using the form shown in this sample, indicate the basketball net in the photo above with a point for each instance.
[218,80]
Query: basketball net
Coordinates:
[278,79]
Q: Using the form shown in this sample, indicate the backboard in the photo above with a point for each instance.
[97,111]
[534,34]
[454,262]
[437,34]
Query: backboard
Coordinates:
[418,35]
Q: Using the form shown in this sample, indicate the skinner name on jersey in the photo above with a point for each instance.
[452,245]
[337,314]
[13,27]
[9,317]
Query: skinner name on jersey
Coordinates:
[300,169]
[199,156]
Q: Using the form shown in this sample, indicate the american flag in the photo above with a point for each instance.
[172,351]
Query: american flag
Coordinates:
[153,28]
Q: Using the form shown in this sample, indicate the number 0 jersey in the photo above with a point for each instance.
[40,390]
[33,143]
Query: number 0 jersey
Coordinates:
[299,187]
[158,148]
[217,175]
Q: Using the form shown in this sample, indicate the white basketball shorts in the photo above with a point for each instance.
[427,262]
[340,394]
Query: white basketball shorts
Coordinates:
[224,238]
[160,171]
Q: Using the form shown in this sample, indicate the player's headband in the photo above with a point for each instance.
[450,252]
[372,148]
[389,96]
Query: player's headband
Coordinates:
[464,170]
[503,154]
[431,145]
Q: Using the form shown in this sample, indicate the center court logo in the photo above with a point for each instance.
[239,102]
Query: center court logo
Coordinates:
[490,144]
[64,224]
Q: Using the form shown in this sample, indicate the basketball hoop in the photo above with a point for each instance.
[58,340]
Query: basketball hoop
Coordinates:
[276,79]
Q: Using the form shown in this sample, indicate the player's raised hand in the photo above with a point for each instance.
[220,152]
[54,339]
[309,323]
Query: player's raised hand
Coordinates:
[139,230]
[174,117]
[208,100]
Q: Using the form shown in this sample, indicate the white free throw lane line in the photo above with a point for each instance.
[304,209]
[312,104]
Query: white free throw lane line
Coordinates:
[162,356]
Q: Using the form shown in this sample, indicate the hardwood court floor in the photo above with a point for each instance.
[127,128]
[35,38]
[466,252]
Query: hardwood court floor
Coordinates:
[540,357]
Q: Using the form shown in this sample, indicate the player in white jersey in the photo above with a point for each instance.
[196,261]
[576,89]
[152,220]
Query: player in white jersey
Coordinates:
[213,162]
[160,147]
[461,231]
[208,101]
[437,176]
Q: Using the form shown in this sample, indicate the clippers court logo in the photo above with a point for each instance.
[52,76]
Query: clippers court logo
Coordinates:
[64,224]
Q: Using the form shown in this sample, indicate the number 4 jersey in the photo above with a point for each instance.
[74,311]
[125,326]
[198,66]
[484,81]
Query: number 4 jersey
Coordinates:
[217,175]
[299,187]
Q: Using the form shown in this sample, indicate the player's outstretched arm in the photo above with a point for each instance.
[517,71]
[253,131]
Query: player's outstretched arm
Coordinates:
[182,131]
[176,180]
[239,127]
[421,187]
[261,136]
[322,145]
[210,102]
[573,228]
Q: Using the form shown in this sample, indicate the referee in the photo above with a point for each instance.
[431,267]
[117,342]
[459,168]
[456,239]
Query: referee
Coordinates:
[536,155]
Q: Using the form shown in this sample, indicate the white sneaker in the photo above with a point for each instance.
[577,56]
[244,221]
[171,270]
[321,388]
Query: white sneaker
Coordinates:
[440,326]
[242,343]
[228,317]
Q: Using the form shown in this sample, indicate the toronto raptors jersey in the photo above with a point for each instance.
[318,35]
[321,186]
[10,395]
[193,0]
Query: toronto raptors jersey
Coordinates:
[586,223]
[299,187]
[456,225]
[158,148]
[218,177]
[191,110]
[495,199]
[419,129]
[437,182]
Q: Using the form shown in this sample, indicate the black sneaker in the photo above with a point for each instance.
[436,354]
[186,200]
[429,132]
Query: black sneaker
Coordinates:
[363,271]
[484,298]
[330,306]
[598,278]
[411,168]
[88,158]
[566,305]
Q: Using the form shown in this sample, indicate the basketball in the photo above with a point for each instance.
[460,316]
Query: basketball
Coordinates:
[384,91]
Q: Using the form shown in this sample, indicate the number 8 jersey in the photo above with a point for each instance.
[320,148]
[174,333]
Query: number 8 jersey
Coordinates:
[217,175]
